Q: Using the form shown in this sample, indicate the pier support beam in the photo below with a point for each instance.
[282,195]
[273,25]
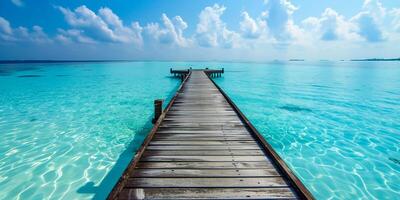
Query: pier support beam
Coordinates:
[157,109]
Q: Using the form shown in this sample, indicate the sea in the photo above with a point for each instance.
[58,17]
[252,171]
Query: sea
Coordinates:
[69,129]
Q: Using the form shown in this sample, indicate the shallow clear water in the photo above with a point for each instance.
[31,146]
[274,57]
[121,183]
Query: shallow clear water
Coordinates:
[69,130]
[337,125]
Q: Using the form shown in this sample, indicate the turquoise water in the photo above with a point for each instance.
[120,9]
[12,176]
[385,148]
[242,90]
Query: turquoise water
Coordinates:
[68,130]
[337,125]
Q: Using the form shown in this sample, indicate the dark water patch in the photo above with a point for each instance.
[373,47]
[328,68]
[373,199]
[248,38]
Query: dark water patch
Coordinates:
[397,161]
[319,86]
[29,76]
[125,103]
[4,74]
[33,119]
[11,68]
[391,92]
[294,108]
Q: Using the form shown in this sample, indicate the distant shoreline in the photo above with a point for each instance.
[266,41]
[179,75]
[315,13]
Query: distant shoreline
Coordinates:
[239,61]
[377,59]
[58,61]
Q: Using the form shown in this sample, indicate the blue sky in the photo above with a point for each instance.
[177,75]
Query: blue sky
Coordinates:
[199,30]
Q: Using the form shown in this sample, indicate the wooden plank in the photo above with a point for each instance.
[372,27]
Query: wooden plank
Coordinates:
[213,137]
[266,182]
[199,143]
[203,125]
[204,153]
[207,193]
[161,173]
[201,135]
[206,165]
[175,158]
[201,121]
[200,131]
[204,147]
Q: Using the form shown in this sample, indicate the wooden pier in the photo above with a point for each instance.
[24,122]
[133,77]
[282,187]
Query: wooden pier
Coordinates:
[203,147]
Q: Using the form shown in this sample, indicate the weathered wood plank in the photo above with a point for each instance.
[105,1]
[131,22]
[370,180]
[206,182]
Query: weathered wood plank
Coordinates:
[203,153]
[207,193]
[200,135]
[199,143]
[201,130]
[204,147]
[203,137]
[175,158]
[207,182]
[204,173]
[206,165]
[203,125]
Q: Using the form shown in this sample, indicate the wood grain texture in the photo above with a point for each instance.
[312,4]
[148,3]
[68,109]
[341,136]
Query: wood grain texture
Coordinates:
[238,182]
[207,193]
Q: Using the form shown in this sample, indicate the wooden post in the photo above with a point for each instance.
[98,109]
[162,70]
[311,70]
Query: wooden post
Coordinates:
[157,109]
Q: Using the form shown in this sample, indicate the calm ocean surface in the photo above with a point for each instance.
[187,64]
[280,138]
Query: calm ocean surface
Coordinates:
[69,130]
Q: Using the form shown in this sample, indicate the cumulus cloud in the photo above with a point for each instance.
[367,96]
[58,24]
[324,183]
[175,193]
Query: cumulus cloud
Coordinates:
[368,27]
[18,3]
[375,8]
[279,19]
[395,13]
[250,28]
[73,35]
[369,21]
[5,27]
[170,33]
[22,34]
[211,31]
[104,26]
[365,25]
[330,26]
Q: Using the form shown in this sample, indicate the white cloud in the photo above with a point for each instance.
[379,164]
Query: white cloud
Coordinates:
[279,19]
[395,22]
[5,27]
[211,31]
[369,21]
[251,28]
[170,33]
[18,3]
[330,26]
[375,8]
[19,34]
[73,35]
[368,27]
[104,26]
[38,35]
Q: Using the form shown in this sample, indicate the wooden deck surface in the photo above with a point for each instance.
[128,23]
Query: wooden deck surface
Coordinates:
[202,149]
